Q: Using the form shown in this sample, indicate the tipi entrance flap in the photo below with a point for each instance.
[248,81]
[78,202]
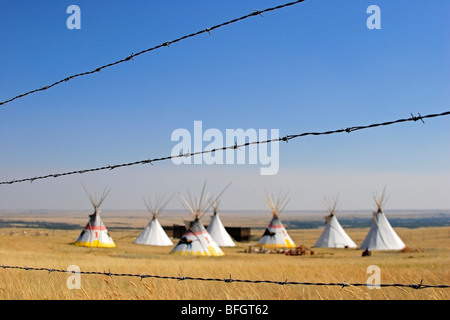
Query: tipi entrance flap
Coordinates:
[197,241]
[334,236]
[217,230]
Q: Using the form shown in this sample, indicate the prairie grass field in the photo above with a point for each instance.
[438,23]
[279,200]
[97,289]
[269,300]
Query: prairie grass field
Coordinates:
[427,259]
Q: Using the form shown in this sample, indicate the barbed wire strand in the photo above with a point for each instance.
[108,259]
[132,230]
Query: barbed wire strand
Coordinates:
[235,146]
[343,284]
[165,44]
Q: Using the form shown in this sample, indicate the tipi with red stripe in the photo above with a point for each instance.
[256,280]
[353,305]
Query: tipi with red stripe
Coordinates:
[217,230]
[196,240]
[333,235]
[275,236]
[381,235]
[95,233]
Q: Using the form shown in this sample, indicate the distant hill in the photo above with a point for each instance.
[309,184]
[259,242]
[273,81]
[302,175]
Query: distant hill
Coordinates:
[38,225]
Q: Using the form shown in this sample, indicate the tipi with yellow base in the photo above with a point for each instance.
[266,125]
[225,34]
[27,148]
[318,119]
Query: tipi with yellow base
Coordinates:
[95,233]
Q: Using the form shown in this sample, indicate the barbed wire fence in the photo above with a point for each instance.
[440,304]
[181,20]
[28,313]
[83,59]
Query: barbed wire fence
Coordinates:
[286,138]
[343,284]
[165,44]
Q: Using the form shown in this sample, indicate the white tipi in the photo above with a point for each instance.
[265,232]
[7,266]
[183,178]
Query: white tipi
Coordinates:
[334,236]
[196,240]
[275,236]
[95,233]
[381,235]
[154,234]
[217,230]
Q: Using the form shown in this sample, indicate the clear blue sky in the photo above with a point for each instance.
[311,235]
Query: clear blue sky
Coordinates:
[314,66]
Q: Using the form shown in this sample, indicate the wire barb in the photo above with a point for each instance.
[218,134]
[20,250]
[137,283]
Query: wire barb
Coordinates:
[143,276]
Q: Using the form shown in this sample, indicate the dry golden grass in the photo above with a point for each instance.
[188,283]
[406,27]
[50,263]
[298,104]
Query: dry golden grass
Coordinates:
[55,250]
